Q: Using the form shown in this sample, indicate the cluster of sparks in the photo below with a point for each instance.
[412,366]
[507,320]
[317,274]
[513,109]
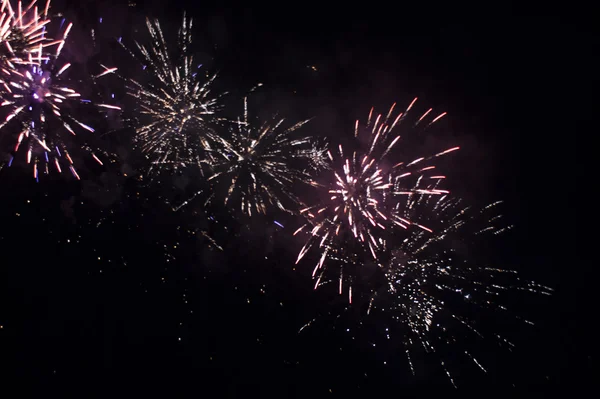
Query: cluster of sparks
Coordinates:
[364,199]
[35,92]
[430,277]
[176,108]
[260,162]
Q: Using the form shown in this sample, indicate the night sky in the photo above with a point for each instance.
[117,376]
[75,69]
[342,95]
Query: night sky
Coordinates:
[105,291]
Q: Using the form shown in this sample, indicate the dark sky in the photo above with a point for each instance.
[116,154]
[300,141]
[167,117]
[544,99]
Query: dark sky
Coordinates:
[103,293]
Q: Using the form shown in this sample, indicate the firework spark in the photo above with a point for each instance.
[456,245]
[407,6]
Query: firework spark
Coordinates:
[261,161]
[175,105]
[361,199]
[39,99]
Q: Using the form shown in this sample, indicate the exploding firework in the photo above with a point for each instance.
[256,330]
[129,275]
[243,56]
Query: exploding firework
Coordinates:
[22,33]
[260,161]
[39,101]
[364,200]
[316,155]
[175,107]
[434,296]
[437,291]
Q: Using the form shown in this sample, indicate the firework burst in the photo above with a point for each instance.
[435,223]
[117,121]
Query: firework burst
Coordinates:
[434,283]
[316,155]
[174,103]
[22,33]
[433,296]
[364,199]
[260,161]
[39,101]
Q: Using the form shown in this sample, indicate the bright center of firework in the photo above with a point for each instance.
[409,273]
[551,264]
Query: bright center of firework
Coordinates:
[184,109]
[356,191]
[354,194]
[246,156]
[40,86]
